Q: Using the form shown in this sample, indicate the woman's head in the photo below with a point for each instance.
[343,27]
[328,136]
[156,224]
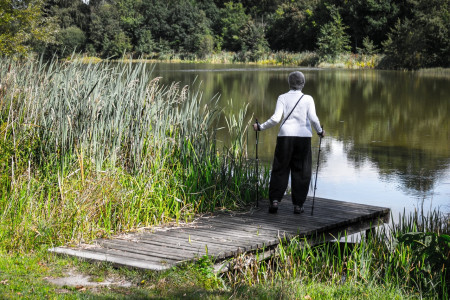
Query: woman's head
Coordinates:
[296,80]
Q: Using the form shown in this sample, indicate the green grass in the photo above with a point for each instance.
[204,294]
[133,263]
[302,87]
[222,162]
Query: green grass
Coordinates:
[383,265]
[88,151]
[25,277]
[280,58]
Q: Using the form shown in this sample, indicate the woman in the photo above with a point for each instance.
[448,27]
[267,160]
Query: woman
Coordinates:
[293,149]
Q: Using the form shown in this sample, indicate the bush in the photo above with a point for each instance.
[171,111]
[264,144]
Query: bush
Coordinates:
[333,40]
[405,46]
[71,39]
[145,44]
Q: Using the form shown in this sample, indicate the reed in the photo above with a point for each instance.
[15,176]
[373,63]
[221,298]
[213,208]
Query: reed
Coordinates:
[411,256]
[89,150]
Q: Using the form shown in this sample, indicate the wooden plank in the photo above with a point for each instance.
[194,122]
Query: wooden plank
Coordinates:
[191,250]
[221,251]
[209,242]
[225,230]
[291,225]
[252,225]
[157,252]
[117,261]
[234,238]
[135,256]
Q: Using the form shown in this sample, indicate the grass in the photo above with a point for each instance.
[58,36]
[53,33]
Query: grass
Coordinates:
[408,259]
[280,58]
[383,265]
[89,150]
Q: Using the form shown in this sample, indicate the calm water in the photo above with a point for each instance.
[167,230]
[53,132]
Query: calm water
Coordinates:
[388,140]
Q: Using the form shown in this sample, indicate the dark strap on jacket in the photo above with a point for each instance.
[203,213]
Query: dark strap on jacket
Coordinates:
[292,111]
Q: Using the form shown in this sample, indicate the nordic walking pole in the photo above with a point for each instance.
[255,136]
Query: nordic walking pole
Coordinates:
[257,162]
[317,171]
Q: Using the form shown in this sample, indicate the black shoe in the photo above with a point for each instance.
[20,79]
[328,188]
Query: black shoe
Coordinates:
[298,209]
[273,208]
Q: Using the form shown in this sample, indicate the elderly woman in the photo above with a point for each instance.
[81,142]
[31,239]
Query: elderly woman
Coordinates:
[293,149]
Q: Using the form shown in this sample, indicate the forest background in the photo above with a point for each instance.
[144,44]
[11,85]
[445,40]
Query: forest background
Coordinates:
[406,34]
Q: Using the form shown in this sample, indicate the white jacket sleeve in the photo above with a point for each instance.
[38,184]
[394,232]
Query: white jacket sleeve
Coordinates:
[313,117]
[276,117]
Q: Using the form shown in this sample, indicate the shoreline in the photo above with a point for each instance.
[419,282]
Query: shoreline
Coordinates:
[339,64]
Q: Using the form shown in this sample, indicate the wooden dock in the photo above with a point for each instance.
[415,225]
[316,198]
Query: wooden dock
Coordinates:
[224,235]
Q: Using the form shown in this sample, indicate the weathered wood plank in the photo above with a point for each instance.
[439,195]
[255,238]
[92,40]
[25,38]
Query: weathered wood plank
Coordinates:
[117,261]
[157,252]
[221,250]
[135,256]
[208,241]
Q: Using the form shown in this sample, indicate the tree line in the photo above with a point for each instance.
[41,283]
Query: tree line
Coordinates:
[407,33]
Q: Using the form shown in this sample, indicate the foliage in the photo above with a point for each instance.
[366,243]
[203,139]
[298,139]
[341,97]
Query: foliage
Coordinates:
[190,30]
[22,25]
[232,21]
[368,47]
[293,27]
[71,39]
[105,32]
[333,40]
[195,29]
[369,19]
[405,46]
[430,251]
[254,41]
[145,44]
[418,41]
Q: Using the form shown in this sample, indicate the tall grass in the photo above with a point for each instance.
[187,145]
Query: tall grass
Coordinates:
[92,149]
[412,256]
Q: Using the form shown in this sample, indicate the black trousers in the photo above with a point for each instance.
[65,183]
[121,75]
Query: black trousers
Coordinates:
[292,155]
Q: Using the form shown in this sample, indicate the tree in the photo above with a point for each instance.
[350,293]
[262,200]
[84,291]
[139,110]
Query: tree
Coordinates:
[333,40]
[22,25]
[145,43]
[421,37]
[232,21]
[369,18]
[405,47]
[433,17]
[105,34]
[190,29]
[132,20]
[292,27]
[71,39]
[254,40]
[368,47]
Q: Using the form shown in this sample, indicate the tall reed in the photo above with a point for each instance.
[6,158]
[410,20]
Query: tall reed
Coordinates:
[93,149]
[412,256]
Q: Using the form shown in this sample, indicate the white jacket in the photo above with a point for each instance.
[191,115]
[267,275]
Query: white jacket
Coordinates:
[299,122]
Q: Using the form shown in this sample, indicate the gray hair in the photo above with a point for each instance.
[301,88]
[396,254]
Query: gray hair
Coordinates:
[296,80]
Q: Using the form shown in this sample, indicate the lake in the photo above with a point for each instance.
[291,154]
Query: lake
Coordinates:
[388,140]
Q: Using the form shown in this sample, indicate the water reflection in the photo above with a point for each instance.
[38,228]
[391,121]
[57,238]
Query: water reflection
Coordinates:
[388,132]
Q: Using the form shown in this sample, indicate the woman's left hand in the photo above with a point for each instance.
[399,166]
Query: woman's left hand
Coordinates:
[255,126]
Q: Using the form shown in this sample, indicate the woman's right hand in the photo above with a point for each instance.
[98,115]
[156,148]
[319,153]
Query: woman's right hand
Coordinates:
[322,134]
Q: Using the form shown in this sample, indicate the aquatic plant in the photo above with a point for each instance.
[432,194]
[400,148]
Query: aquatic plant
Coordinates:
[412,256]
[93,149]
